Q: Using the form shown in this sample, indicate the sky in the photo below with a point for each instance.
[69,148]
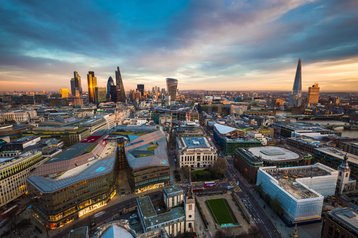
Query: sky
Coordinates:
[205,44]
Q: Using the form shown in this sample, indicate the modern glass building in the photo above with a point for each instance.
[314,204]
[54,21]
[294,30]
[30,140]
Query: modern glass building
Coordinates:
[110,84]
[77,181]
[172,86]
[120,95]
[92,84]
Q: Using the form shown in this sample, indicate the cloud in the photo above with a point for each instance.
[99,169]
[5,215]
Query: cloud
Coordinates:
[199,42]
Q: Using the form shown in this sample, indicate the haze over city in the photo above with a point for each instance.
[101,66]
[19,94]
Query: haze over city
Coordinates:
[244,45]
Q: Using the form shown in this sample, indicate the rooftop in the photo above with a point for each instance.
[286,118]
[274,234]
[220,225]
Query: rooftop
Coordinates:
[195,142]
[348,217]
[224,129]
[289,178]
[274,153]
[173,190]
[339,154]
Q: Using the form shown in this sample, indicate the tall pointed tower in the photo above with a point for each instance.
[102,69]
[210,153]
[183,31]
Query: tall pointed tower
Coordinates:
[190,208]
[297,87]
[121,95]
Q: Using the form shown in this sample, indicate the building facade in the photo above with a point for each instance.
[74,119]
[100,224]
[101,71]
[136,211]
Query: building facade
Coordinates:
[195,152]
[340,223]
[313,94]
[172,87]
[14,172]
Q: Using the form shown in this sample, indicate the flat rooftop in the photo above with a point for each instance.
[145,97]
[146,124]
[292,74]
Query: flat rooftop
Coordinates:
[287,178]
[348,217]
[195,142]
[339,154]
[274,153]
[173,190]
[150,216]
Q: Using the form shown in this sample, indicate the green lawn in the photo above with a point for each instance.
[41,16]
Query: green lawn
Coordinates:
[221,212]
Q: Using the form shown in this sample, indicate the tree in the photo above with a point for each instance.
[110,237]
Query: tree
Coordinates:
[219,167]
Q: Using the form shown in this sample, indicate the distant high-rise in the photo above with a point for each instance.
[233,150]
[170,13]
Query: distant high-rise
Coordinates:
[140,88]
[313,94]
[296,98]
[73,87]
[110,83]
[78,84]
[92,84]
[100,94]
[172,86]
[121,95]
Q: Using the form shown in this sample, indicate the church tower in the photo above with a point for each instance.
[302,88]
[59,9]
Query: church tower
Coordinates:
[190,208]
[343,175]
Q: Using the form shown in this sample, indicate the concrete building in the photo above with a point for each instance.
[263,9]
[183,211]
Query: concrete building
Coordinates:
[340,222]
[14,172]
[179,216]
[299,190]
[195,152]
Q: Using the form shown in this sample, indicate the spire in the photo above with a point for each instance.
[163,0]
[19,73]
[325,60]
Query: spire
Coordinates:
[344,164]
[297,85]
[294,233]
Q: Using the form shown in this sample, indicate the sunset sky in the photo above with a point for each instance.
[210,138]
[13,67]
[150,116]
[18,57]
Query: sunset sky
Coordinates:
[211,45]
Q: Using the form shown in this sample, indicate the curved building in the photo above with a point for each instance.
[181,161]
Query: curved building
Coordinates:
[74,183]
[110,84]
[172,86]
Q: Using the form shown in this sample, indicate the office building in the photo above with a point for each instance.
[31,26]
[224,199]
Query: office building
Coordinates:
[146,156]
[78,83]
[340,222]
[299,191]
[100,94]
[14,171]
[64,92]
[140,88]
[92,84]
[230,138]
[296,96]
[110,84]
[333,157]
[120,93]
[77,181]
[73,87]
[313,94]
[195,151]
[172,87]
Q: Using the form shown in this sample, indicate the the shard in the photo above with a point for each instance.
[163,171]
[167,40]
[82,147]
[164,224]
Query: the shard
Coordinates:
[297,87]
[121,95]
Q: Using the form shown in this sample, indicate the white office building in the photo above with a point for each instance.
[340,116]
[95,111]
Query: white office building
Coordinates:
[300,190]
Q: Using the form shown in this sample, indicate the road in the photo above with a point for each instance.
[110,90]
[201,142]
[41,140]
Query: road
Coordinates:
[260,218]
[109,212]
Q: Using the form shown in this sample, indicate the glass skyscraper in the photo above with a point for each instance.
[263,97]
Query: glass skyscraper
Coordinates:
[172,86]
[92,84]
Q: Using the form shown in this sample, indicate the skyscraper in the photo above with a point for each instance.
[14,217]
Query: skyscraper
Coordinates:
[110,83]
[77,79]
[121,95]
[296,97]
[92,84]
[313,94]
[172,86]
[100,94]
[73,87]
[140,88]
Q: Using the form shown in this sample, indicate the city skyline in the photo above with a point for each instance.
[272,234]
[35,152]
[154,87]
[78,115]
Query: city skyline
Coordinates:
[242,45]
